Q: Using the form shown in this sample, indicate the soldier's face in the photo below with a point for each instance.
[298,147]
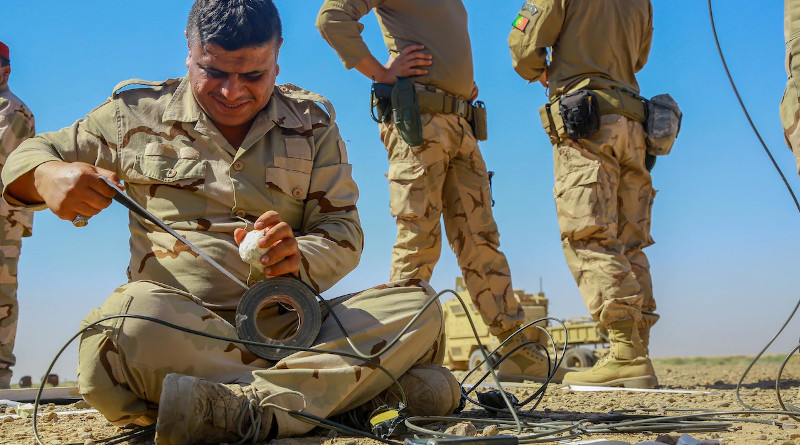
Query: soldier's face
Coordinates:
[232,86]
[5,71]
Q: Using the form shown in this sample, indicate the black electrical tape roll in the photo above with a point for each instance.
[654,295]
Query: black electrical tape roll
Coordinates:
[290,294]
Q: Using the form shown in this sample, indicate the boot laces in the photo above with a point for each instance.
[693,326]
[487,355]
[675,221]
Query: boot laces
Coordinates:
[234,413]
[529,349]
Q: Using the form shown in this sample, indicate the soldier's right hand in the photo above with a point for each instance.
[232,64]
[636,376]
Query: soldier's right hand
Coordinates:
[412,61]
[74,188]
[543,78]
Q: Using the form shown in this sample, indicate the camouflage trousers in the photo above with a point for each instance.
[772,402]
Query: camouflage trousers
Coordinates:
[123,361]
[10,245]
[790,104]
[446,177]
[604,197]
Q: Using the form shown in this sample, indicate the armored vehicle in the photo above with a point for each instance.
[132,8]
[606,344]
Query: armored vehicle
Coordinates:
[586,341]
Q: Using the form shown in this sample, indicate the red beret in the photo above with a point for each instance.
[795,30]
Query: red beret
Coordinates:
[4,50]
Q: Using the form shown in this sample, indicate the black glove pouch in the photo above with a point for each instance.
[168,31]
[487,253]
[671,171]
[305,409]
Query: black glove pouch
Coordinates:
[580,112]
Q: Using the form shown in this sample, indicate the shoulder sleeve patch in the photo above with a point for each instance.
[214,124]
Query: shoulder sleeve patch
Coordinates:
[530,7]
[521,22]
[526,14]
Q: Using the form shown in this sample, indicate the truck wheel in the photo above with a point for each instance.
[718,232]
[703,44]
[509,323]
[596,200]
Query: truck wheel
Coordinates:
[579,358]
[476,357]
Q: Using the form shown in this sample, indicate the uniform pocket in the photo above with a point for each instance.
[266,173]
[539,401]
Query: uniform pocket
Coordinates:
[291,182]
[406,189]
[577,201]
[167,164]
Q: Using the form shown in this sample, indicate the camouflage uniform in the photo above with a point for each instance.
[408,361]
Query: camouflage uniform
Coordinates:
[177,165]
[603,192]
[446,175]
[16,125]
[790,104]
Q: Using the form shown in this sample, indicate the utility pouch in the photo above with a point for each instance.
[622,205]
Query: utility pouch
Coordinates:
[580,112]
[405,108]
[380,101]
[549,124]
[662,124]
[480,126]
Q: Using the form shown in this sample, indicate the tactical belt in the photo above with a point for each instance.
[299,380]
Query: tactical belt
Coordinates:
[404,102]
[435,102]
[610,101]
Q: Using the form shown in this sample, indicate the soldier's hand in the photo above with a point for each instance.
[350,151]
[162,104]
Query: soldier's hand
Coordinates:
[73,188]
[410,62]
[283,256]
[474,94]
[543,78]
[649,162]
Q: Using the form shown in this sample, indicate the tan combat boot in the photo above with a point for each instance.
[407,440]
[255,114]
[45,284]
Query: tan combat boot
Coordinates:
[527,363]
[644,334]
[625,365]
[431,390]
[197,411]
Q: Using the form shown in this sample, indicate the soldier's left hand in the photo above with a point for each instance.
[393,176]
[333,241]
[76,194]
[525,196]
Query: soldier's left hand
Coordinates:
[283,256]
[474,94]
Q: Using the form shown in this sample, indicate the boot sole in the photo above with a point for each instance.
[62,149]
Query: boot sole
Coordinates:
[174,408]
[645,382]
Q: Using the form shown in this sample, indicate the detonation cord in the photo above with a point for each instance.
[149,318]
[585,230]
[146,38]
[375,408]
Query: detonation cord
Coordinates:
[544,430]
[790,408]
[313,419]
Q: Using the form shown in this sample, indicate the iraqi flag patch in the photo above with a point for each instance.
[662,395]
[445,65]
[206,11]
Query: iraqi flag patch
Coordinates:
[521,22]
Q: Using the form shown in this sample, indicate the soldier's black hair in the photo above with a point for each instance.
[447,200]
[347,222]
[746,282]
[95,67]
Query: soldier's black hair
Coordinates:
[234,24]
[4,61]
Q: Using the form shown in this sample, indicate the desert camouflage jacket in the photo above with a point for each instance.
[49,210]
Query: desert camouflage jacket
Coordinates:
[439,25]
[178,166]
[16,125]
[595,45]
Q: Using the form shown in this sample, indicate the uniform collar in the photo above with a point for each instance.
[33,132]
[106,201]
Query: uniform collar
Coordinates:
[184,108]
[279,111]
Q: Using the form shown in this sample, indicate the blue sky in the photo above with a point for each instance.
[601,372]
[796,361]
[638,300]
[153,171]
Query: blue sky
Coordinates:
[725,260]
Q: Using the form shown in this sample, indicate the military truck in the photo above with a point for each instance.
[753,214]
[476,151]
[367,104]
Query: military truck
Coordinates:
[586,340]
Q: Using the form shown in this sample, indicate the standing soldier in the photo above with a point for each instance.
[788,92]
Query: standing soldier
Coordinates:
[16,125]
[435,166]
[790,105]
[603,191]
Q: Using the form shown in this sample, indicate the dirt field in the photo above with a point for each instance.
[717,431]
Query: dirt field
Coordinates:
[713,379]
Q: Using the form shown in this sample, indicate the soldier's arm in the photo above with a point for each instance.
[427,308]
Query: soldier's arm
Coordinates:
[338,23]
[16,125]
[60,170]
[647,39]
[535,29]
[331,239]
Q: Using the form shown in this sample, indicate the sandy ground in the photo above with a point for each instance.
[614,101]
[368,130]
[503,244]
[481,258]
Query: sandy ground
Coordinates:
[712,382]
